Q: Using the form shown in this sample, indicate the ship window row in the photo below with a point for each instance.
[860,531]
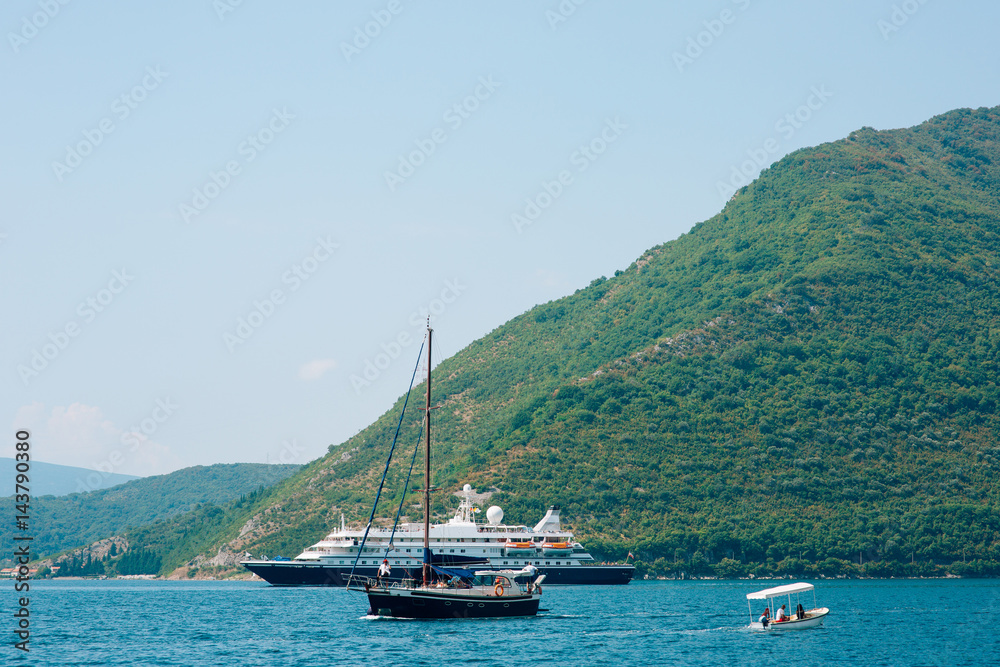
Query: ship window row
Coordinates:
[557,538]
[374,562]
[506,562]
[460,539]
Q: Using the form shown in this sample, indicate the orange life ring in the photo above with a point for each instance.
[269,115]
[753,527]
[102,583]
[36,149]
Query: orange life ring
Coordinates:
[498,590]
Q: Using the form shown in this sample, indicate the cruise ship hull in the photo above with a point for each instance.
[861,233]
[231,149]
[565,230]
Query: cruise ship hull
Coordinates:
[292,573]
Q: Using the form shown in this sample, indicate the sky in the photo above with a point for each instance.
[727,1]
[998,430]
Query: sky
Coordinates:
[225,222]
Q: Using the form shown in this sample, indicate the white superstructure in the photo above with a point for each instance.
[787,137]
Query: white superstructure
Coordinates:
[459,540]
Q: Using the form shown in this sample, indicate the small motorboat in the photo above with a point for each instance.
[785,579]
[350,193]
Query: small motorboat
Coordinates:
[793,617]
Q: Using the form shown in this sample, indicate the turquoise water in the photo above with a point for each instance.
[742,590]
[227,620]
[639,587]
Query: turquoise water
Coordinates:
[931,622]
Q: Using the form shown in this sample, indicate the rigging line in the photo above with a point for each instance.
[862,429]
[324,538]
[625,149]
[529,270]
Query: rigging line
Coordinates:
[378,494]
[406,488]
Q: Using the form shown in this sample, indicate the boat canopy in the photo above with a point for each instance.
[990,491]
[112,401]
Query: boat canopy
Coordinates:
[527,571]
[778,591]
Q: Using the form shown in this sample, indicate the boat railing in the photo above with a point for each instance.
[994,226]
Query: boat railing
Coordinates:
[357,582]
[360,582]
[490,589]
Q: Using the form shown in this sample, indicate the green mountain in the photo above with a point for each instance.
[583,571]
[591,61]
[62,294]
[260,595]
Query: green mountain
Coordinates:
[52,479]
[66,522]
[804,383]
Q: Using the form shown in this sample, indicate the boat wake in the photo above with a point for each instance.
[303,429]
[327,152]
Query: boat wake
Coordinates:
[712,631]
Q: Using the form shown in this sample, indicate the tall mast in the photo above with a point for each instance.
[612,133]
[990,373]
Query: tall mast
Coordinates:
[427,464]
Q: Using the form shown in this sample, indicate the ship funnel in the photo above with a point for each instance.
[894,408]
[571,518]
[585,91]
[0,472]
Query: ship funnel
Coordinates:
[549,522]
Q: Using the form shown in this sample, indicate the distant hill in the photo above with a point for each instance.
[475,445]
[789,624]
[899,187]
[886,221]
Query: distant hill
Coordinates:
[804,384]
[52,479]
[65,522]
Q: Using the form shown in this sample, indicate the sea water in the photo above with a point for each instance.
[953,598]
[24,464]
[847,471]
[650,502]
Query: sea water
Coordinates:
[126,622]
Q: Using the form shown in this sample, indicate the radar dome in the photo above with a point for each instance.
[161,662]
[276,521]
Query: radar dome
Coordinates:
[494,515]
[467,488]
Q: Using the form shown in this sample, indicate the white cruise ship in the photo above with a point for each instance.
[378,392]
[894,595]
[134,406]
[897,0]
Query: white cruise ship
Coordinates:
[462,542]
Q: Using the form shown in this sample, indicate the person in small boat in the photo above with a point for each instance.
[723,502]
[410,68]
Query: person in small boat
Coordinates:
[765,617]
[781,615]
[800,613]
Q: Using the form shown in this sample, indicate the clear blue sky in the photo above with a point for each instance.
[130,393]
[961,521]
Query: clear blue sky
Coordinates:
[167,166]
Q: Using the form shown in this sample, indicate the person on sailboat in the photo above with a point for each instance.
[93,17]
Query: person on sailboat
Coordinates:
[383,569]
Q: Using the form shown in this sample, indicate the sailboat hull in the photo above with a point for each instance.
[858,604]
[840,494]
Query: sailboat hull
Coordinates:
[420,603]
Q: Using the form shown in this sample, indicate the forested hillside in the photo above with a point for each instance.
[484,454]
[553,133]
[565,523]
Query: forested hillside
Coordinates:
[804,383]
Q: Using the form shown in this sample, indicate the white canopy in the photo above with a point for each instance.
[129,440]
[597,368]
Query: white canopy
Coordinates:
[528,570]
[778,591]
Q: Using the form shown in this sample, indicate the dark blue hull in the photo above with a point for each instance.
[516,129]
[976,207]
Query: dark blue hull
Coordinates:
[420,604]
[292,573]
